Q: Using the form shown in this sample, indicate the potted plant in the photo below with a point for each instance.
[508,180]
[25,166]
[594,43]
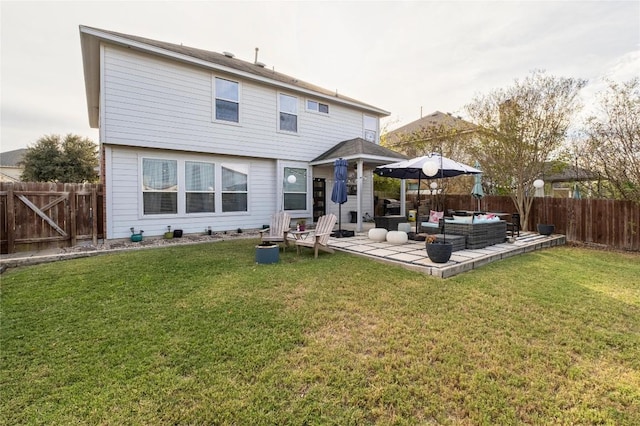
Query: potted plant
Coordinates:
[302,223]
[438,251]
[136,238]
[168,235]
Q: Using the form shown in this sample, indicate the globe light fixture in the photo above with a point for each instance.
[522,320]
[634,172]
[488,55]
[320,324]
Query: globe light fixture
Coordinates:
[430,168]
[538,184]
[291,179]
[433,185]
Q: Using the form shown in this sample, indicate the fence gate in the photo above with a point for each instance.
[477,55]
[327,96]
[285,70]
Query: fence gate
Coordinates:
[36,216]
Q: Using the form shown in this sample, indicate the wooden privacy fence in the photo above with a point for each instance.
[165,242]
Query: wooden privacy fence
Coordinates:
[36,216]
[610,223]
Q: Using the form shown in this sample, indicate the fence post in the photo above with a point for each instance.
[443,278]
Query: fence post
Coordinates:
[11,221]
[94,214]
[73,231]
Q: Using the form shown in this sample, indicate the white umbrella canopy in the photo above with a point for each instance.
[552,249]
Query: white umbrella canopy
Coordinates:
[440,167]
[412,169]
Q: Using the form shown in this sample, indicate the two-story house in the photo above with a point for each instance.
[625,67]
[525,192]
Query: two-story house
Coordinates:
[195,139]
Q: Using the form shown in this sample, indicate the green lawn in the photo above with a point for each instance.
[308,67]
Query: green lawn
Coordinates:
[201,335]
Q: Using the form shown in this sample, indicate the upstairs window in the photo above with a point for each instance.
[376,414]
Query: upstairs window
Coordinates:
[317,107]
[227,100]
[370,125]
[288,106]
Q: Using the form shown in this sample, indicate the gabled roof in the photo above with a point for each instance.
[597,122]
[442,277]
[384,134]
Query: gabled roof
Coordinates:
[358,148]
[436,119]
[12,158]
[555,171]
[90,39]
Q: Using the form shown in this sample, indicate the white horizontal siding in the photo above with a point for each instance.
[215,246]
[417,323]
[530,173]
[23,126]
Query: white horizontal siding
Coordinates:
[124,196]
[156,103]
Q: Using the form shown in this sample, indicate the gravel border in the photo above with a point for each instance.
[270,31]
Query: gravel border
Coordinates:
[15,260]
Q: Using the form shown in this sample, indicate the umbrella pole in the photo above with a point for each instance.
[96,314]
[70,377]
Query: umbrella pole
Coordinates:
[418,206]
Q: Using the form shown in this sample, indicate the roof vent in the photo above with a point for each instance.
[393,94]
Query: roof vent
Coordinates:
[260,64]
[228,54]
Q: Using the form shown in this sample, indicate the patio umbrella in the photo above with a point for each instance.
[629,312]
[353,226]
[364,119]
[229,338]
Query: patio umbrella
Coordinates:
[412,169]
[339,191]
[576,192]
[477,191]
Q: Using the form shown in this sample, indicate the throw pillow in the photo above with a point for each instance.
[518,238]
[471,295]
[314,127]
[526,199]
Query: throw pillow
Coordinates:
[434,216]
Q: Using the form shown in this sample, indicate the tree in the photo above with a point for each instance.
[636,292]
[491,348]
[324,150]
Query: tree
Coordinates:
[613,138]
[52,159]
[520,128]
[440,133]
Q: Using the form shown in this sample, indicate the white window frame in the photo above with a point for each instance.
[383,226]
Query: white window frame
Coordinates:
[210,191]
[143,191]
[215,98]
[316,109]
[282,178]
[228,165]
[181,190]
[366,131]
[296,114]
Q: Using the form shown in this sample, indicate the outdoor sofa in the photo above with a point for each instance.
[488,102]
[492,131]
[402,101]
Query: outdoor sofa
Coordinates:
[478,231]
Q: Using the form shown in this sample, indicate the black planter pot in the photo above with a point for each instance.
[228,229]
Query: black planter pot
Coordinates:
[439,252]
[545,229]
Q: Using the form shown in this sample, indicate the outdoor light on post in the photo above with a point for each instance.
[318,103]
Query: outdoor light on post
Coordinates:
[538,184]
[543,228]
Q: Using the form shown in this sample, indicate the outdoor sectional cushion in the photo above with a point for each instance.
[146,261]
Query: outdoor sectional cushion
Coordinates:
[463,219]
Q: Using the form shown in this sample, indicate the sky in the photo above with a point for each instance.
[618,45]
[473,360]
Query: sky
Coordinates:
[406,57]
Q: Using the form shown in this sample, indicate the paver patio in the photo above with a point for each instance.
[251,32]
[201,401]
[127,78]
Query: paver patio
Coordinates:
[413,254]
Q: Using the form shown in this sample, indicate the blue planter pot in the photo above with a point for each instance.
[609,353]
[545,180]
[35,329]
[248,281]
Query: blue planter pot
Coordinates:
[267,253]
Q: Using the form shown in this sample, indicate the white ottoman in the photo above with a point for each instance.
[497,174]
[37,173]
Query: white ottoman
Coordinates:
[404,227]
[397,237]
[378,234]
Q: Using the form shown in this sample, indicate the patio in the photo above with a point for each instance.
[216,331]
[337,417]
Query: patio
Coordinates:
[413,255]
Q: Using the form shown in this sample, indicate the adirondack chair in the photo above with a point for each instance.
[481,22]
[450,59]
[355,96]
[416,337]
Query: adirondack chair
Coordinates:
[320,238]
[278,229]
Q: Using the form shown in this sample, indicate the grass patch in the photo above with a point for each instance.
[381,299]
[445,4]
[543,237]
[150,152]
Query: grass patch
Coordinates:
[201,335]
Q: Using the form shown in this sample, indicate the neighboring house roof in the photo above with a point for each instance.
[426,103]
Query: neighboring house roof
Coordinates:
[359,148]
[12,158]
[435,119]
[90,39]
[557,172]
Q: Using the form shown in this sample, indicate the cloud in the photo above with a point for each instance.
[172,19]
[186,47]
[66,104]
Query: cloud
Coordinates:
[396,55]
